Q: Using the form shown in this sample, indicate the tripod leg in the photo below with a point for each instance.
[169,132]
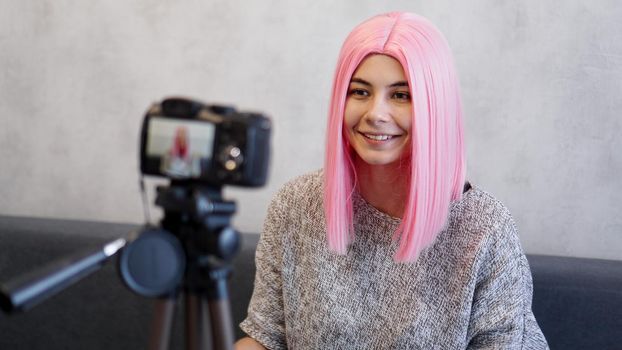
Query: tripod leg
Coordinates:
[197,323]
[161,324]
[220,314]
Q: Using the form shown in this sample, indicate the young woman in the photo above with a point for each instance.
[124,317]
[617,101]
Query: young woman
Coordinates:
[387,247]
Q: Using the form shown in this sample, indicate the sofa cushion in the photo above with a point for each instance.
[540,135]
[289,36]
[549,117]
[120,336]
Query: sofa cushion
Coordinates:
[577,302]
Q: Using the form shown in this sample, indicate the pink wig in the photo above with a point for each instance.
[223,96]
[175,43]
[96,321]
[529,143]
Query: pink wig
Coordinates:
[437,165]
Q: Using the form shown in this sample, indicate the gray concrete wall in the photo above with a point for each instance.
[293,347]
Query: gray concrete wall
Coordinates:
[541,83]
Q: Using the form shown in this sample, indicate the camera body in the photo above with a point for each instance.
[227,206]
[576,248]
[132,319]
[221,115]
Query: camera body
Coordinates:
[183,139]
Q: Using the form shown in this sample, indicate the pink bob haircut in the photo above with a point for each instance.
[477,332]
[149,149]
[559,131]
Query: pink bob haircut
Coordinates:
[436,168]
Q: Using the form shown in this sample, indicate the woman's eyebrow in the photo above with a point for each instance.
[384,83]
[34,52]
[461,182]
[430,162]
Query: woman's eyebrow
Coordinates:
[365,82]
[399,83]
[360,81]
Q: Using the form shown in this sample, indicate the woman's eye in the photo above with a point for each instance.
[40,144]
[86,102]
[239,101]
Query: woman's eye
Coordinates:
[358,93]
[401,95]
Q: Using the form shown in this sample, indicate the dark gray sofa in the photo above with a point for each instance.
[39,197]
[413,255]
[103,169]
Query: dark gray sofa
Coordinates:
[578,302]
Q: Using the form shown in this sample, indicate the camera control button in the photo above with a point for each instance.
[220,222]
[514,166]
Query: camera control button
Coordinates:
[231,158]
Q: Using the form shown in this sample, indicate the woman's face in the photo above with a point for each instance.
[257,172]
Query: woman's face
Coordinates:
[378,110]
[182,136]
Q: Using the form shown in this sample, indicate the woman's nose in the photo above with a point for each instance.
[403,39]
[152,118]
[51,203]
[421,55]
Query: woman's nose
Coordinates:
[379,110]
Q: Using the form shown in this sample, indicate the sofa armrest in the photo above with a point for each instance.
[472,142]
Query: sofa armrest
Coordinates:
[577,301]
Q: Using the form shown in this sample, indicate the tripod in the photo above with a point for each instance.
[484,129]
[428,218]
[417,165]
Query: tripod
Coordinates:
[189,255]
[195,264]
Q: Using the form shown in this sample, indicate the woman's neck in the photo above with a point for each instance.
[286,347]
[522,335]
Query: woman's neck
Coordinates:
[383,186]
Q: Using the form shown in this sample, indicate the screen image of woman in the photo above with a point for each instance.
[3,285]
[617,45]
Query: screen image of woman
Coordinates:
[178,162]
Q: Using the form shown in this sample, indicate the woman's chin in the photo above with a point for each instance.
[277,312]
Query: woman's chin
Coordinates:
[380,161]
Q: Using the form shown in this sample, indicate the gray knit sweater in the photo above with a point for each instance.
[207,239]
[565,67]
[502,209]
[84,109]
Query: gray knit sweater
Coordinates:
[470,289]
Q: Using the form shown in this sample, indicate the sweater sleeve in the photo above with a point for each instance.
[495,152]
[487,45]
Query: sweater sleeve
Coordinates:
[501,316]
[265,321]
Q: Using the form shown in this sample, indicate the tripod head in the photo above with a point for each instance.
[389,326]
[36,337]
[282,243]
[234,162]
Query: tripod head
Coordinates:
[201,209]
[191,252]
[195,241]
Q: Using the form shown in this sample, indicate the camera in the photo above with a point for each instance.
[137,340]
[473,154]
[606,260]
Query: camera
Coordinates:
[183,139]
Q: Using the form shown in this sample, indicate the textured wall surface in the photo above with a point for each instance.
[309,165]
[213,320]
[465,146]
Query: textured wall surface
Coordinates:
[541,84]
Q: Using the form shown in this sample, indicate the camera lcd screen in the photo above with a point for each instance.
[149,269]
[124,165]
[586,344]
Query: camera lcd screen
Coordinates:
[183,147]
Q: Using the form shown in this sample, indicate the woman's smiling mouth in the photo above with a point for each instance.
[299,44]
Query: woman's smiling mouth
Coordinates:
[378,137]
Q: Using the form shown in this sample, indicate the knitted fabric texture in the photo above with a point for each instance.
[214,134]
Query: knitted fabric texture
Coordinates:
[471,288]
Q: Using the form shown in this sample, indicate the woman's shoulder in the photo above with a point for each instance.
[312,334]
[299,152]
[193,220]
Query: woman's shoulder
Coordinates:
[301,192]
[309,181]
[478,221]
[481,209]
[484,225]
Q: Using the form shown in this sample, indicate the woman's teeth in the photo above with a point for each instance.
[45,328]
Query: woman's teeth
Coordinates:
[378,137]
